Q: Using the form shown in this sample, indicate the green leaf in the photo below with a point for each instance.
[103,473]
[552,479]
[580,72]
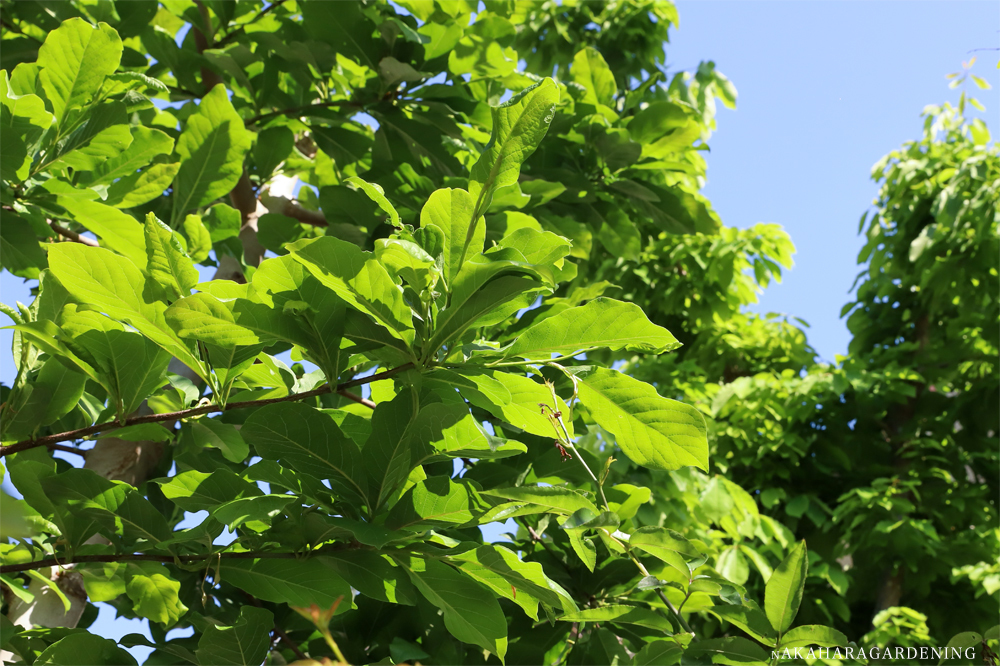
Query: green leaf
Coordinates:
[592,72]
[436,502]
[154,594]
[732,565]
[204,317]
[783,592]
[223,436]
[358,278]
[584,547]
[749,618]
[620,614]
[490,390]
[131,366]
[653,431]
[142,187]
[552,498]
[729,650]
[658,653]
[451,210]
[656,120]
[518,126]
[103,134]
[53,393]
[376,194]
[20,252]
[256,513]
[373,575]
[667,545]
[116,508]
[524,583]
[112,283]
[246,642]
[74,59]
[146,144]
[471,613]
[166,262]
[116,230]
[603,322]
[297,582]
[199,491]
[309,441]
[211,147]
[84,649]
[199,240]
[813,634]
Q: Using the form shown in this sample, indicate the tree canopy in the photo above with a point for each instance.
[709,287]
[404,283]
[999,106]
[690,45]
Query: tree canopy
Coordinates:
[321,288]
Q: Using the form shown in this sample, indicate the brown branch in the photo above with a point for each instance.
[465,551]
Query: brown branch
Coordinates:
[356,398]
[292,645]
[72,235]
[204,409]
[289,208]
[168,559]
[68,449]
[300,110]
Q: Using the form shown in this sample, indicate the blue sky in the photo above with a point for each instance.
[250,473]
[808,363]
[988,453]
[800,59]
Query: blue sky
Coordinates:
[826,89]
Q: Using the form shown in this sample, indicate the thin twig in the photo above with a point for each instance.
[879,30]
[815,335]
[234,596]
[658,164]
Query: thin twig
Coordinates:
[356,398]
[196,411]
[300,110]
[169,559]
[72,235]
[68,449]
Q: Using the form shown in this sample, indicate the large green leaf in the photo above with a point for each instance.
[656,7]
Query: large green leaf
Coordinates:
[199,491]
[813,634]
[518,127]
[74,59]
[84,649]
[117,230]
[552,498]
[146,144]
[374,575]
[653,431]
[728,650]
[114,285]
[297,582]
[471,612]
[783,592]
[524,583]
[603,322]
[153,593]
[246,642]
[436,502]
[53,393]
[451,210]
[309,441]
[211,147]
[391,450]
[620,614]
[131,366]
[591,71]
[749,618]
[166,262]
[358,278]
[118,509]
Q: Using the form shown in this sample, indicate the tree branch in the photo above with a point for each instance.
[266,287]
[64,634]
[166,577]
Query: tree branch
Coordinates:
[72,235]
[300,110]
[356,398]
[79,433]
[168,559]
[229,36]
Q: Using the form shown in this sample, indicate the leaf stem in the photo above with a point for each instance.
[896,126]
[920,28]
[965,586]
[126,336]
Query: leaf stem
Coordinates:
[663,597]
[79,433]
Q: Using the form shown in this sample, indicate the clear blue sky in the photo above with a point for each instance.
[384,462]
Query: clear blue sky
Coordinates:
[826,89]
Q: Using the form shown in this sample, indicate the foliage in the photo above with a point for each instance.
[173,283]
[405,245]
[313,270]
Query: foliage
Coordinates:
[429,336]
